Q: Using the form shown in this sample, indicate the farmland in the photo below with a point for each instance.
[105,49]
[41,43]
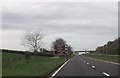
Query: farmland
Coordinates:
[17,65]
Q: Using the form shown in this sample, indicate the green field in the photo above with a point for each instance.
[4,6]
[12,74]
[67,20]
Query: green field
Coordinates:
[17,65]
[110,58]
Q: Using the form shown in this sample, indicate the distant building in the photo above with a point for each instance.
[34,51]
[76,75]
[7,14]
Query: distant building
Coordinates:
[60,47]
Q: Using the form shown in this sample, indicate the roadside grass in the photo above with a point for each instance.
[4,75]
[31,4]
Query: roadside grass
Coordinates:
[111,58]
[17,65]
[0,64]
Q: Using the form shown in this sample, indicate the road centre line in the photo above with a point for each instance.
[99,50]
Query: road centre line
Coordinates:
[106,74]
[93,66]
[88,63]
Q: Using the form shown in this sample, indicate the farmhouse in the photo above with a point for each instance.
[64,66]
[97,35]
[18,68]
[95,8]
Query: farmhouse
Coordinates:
[60,47]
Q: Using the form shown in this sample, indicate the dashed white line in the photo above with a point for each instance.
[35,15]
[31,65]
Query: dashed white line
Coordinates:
[93,66]
[103,61]
[106,74]
[59,69]
[88,63]
[84,61]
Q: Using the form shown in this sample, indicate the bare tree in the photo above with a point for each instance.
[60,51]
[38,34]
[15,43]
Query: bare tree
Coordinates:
[33,40]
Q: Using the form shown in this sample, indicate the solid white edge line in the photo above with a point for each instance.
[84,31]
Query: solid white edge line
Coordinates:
[103,61]
[106,74]
[59,69]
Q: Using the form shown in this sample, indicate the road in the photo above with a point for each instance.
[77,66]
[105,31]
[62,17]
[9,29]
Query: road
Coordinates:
[82,66]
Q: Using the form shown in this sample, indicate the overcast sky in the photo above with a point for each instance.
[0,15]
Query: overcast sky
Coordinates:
[84,25]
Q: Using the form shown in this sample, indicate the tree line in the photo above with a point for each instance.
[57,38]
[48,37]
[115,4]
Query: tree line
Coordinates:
[112,47]
[34,41]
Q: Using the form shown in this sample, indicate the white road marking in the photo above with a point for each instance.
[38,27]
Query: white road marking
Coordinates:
[87,63]
[84,61]
[93,66]
[59,69]
[106,74]
[103,61]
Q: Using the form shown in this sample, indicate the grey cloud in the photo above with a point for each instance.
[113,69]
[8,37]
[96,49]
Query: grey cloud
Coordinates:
[97,19]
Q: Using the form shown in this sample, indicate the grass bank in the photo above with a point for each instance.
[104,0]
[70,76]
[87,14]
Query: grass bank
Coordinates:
[111,58]
[0,64]
[17,65]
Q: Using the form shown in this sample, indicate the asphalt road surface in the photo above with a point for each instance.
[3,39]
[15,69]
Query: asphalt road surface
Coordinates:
[82,66]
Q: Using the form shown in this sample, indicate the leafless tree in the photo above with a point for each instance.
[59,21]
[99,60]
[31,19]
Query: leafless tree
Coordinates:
[33,40]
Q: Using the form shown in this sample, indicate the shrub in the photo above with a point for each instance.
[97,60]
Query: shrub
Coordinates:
[27,55]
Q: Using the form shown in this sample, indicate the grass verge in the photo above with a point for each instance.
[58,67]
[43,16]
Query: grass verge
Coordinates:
[17,65]
[0,64]
[111,58]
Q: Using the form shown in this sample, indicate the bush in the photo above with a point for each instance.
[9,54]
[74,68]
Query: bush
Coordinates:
[46,54]
[27,55]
